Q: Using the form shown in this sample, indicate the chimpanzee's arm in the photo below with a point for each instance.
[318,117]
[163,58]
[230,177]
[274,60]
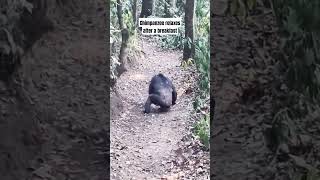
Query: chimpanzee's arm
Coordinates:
[147,106]
[174,95]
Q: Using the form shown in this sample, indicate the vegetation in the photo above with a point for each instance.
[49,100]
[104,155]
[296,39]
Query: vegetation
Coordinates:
[202,129]
[122,24]
[298,63]
[241,8]
[202,62]
[193,37]
[299,23]
[10,38]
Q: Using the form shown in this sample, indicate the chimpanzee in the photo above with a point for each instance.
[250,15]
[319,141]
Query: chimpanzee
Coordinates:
[161,93]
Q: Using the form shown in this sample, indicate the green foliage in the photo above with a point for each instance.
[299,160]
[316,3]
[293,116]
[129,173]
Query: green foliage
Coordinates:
[283,128]
[13,8]
[163,8]
[202,24]
[202,47]
[202,61]
[114,24]
[128,17]
[299,25]
[180,5]
[114,62]
[202,130]
[114,39]
[159,8]
[170,41]
[241,8]
[199,103]
[115,33]
[173,41]
[299,22]
[187,63]
[10,36]
[286,135]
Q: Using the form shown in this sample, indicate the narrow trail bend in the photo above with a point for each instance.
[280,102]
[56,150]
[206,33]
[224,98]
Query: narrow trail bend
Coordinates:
[143,145]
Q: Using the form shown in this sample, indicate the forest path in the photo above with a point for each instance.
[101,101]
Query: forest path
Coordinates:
[142,146]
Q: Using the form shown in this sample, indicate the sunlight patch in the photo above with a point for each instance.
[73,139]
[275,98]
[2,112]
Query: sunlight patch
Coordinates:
[138,77]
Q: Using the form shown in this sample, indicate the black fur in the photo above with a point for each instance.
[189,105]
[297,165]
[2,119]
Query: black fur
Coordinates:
[161,93]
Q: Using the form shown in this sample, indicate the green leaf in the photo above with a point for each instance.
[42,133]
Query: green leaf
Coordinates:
[234,7]
[313,175]
[251,4]
[242,9]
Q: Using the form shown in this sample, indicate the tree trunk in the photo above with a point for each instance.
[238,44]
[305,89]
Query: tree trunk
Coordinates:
[119,13]
[147,8]
[134,11]
[123,52]
[125,36]
[167,8]
[189,49]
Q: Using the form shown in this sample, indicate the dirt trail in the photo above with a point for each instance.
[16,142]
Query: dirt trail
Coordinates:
[142,146]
